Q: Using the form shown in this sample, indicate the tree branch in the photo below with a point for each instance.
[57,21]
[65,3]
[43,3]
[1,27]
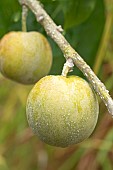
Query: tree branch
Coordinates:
[54,32]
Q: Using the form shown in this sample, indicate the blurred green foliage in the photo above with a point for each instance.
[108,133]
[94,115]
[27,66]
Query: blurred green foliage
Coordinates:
[84,28]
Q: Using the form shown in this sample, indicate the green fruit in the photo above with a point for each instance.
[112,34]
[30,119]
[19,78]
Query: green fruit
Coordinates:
[62,111]
[25,56]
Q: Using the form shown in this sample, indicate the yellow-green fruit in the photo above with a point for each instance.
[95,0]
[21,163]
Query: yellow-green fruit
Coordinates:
[25,56]
[62,111]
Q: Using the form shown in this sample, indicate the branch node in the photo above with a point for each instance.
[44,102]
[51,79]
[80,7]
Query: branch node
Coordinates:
[40,18]
[59,28]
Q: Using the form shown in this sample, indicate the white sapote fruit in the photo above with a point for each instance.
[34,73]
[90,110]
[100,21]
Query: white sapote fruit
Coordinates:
[25,56]
[62,110]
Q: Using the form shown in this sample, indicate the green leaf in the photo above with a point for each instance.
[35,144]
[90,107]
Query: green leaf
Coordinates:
[77,11]
[9,16]
[86,37]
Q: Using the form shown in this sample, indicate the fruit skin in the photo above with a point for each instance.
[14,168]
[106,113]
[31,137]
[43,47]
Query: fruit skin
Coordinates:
[25,56]
[62,111]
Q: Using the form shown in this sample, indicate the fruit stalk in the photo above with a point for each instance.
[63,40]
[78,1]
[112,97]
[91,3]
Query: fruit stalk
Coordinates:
[54,32]
[68,67]
[24,17]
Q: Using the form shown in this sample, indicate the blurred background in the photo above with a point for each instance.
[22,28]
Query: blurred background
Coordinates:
[88,26]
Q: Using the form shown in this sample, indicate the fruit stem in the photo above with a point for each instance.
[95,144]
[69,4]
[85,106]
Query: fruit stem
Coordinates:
[68,67]
[24,17]
[52,30]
